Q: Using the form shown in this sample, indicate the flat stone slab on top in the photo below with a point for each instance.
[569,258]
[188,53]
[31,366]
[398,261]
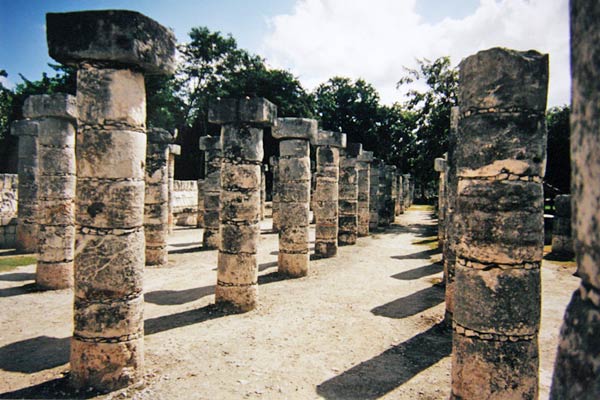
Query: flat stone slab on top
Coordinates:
[59,105]
[122,37]
[365,156]
[329,138]
[210,143]
[256,111]
[294,128]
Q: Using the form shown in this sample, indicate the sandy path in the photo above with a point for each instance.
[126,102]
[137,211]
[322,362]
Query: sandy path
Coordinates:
[362,325]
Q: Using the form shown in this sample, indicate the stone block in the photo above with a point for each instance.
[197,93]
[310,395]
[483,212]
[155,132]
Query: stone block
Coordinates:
[353,150]
[490,300]
[439,164]
[108,319]
[329,138]
[242,143]
[365,157]
[240,177]
[501,78]
[120,37]
[293,264]
[210,143]
[239,238]
[56,132]
[294,128]
[109,265]
[294,169]
[54,276]
[237,269]
[58,105]
[159,136]
[297,148]
[240,207]
[256,111]
[111,96]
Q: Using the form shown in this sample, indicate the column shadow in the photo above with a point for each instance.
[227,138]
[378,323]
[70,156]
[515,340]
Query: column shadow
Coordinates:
[420,272]
[420,255]
[178,297]
[374,378]
[18,276]
[412,304]
[34,355]
[55,389]
[19,290]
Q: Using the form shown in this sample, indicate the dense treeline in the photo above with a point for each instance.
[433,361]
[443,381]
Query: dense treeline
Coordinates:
[409,134]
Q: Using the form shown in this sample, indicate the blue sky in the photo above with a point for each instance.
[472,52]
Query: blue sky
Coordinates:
[317,39]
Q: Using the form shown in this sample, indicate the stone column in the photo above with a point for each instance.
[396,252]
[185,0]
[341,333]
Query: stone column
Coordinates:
[325,204]
[363,167]
[200,223]
[294,174]
[411,192]
[275,190]
[242,123]
[156,200]
[263,191]
[374,194]
[348,195]
[577,368]
[388,206]
[383,189]
[27,205]
[500,156]
[399,195]
[406,191]
[56,118]
[212,190]
[440,166]
[451,235]
[110,48]
[562,240]
[174,150]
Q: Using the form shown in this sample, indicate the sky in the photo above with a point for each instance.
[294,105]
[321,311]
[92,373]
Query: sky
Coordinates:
[318,39]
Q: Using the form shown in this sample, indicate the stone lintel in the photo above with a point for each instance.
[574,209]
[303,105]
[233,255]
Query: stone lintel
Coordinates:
[406,176]
[210,143]
[391,168]
[119,37]
[59,105]
[294,128]
[439,165]
[365,156]
[329,138]
[24,128]
[175,149]
[159,135]
[354,149]
[256,111]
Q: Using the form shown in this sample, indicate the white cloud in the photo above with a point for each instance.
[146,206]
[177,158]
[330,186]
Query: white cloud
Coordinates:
[375,39]
[7,83]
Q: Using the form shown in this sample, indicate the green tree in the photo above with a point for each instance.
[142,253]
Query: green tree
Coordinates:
[432,111]
[558,165]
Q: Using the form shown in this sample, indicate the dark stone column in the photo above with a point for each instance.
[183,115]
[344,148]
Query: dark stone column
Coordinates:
[399,195]
[440,165]
[363,167]
[406,182]
[200,223]
[348,195]
[242,122]
[275,190]
[562,240]
[451,235]
[374,195]
[156,202]
[577,368]
[110,48]
[294,199]
[212,190]
[174,150]
[500,156]
[326,201]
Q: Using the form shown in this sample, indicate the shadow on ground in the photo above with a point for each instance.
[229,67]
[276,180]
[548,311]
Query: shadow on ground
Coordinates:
[19,290]
[34,355]
[412,304]
[420,255]
[374,378]
[55,389]
[18,277]
[420,272]
[178,297]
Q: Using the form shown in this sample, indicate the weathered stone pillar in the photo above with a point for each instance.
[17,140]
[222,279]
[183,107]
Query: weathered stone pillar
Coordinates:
[174,150]
[440,166]
[562,240]
[156,200]
[275,190]
[406,181]
[385,190]
[500,156]
[27,206]
[577,368]
[263,191]
[200,223]
[395,191]
[294,175]
[110,48]
[411,192]
[56,119]
[325,204]
[363,167]
[211,145]
[388,206]
[242,123]
[348,195]
[374,194]
[451,235]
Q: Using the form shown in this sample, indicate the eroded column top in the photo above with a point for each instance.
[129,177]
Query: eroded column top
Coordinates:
[159,135]
[57,105]
[175,149]
[440,164]
[117,37]
[329,138]
[255,111]
[294,128]
[353,150]
[365,156]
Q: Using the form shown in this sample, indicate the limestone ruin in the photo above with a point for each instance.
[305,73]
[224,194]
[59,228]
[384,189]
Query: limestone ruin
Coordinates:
[213,157]
[363,167]
[348,195]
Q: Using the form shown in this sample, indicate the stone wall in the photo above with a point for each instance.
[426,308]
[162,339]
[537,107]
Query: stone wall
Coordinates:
[8,210]
[185,203]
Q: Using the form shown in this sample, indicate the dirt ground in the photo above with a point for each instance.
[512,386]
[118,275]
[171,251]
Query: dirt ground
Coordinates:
[363,325]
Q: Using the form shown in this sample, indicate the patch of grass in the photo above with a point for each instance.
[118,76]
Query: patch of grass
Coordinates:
[421,207]
[10,263]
